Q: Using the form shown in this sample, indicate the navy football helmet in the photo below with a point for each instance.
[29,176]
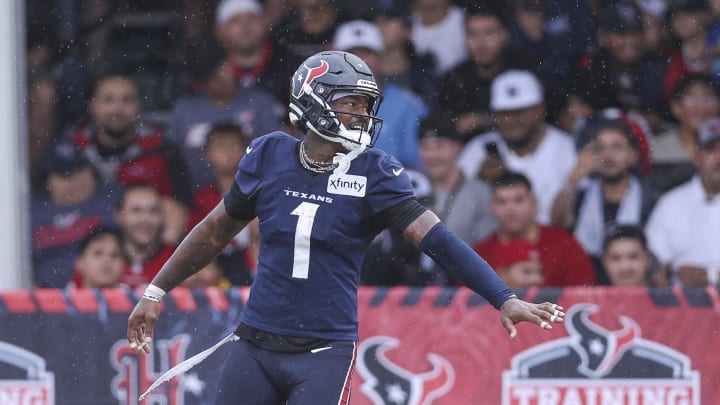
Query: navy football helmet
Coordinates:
[327,76]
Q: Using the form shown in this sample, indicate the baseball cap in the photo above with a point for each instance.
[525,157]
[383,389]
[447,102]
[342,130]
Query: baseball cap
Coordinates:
[64,159]
[439,124]
[227,9]
[515,90]
[621,16]
[514,251]
[708,133]
[358,34]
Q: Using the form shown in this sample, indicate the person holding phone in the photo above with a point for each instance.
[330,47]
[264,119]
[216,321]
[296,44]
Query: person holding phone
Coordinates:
[523,141]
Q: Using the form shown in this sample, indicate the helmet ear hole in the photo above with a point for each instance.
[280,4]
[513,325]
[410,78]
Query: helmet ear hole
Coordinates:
[296,120]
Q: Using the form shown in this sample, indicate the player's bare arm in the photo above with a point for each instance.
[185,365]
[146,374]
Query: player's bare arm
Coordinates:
[201,245]
[512,309]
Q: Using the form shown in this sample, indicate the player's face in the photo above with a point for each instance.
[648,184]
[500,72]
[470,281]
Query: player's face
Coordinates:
[224,151]
[141,216]
[485,38]
[102,262]
[439,156]
[523,275]
[626,262]
[517,127]
[72,189]
[243,32]
[356,108]
[514,208]
[707,161]
[617,155]
[115,106]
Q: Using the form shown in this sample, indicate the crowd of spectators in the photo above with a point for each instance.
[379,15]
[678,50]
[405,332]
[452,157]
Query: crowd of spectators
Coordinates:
[568,142]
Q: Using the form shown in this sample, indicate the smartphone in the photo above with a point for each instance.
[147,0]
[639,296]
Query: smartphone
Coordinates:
[492,149]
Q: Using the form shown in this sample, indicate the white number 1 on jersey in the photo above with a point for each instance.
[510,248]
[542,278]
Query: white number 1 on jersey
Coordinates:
[301,256]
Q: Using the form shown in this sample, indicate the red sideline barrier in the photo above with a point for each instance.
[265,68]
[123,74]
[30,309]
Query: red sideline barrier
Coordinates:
[618,346]
[418,346]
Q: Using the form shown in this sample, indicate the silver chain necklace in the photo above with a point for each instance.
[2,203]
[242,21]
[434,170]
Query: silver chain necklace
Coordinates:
[313,165]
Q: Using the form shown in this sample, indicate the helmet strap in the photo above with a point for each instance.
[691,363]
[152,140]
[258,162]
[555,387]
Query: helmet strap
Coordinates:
[343,160]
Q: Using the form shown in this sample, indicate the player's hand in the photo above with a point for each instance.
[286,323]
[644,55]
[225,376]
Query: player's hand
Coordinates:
[515,310]
[140,325]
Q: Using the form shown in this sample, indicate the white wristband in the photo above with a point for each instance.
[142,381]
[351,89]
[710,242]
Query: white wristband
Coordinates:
[153,293]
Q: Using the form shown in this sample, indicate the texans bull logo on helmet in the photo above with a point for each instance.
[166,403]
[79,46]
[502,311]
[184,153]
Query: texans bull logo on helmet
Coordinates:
[311,74]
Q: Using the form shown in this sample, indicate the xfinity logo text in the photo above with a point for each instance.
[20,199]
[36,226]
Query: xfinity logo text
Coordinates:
[347,184]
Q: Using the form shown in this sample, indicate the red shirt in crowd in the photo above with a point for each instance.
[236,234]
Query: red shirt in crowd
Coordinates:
[137,274]
[203,201]
[564,262]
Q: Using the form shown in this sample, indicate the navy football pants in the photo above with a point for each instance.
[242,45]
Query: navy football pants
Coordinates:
[255,376]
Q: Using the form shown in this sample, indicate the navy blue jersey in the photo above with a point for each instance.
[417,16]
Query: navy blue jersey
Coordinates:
[314,231]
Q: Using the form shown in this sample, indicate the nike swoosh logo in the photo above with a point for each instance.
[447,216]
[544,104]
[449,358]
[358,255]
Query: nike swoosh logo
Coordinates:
[320,349]
[248,149]
[398,171]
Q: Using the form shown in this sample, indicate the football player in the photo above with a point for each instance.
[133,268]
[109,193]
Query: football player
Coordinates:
[320,202]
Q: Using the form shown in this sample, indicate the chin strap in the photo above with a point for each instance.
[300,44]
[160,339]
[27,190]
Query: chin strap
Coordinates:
[343,160]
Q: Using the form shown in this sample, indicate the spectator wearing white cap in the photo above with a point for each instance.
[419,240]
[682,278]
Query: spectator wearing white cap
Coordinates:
[523,141]
[684,228]
[255,59]
[401,110]
[465,90]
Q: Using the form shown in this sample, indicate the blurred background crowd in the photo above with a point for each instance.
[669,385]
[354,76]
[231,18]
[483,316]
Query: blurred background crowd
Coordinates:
[569,142]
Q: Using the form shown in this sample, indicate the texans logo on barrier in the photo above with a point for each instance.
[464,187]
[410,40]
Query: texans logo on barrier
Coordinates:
[310,75]
[387,383]
[600,348]
[597,365]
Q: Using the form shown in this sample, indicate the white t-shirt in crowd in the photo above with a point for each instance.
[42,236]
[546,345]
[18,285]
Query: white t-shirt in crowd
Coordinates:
[547,168]
[684,229]
[444,40]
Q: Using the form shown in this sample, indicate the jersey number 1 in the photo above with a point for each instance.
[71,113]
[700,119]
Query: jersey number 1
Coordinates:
[301,256]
